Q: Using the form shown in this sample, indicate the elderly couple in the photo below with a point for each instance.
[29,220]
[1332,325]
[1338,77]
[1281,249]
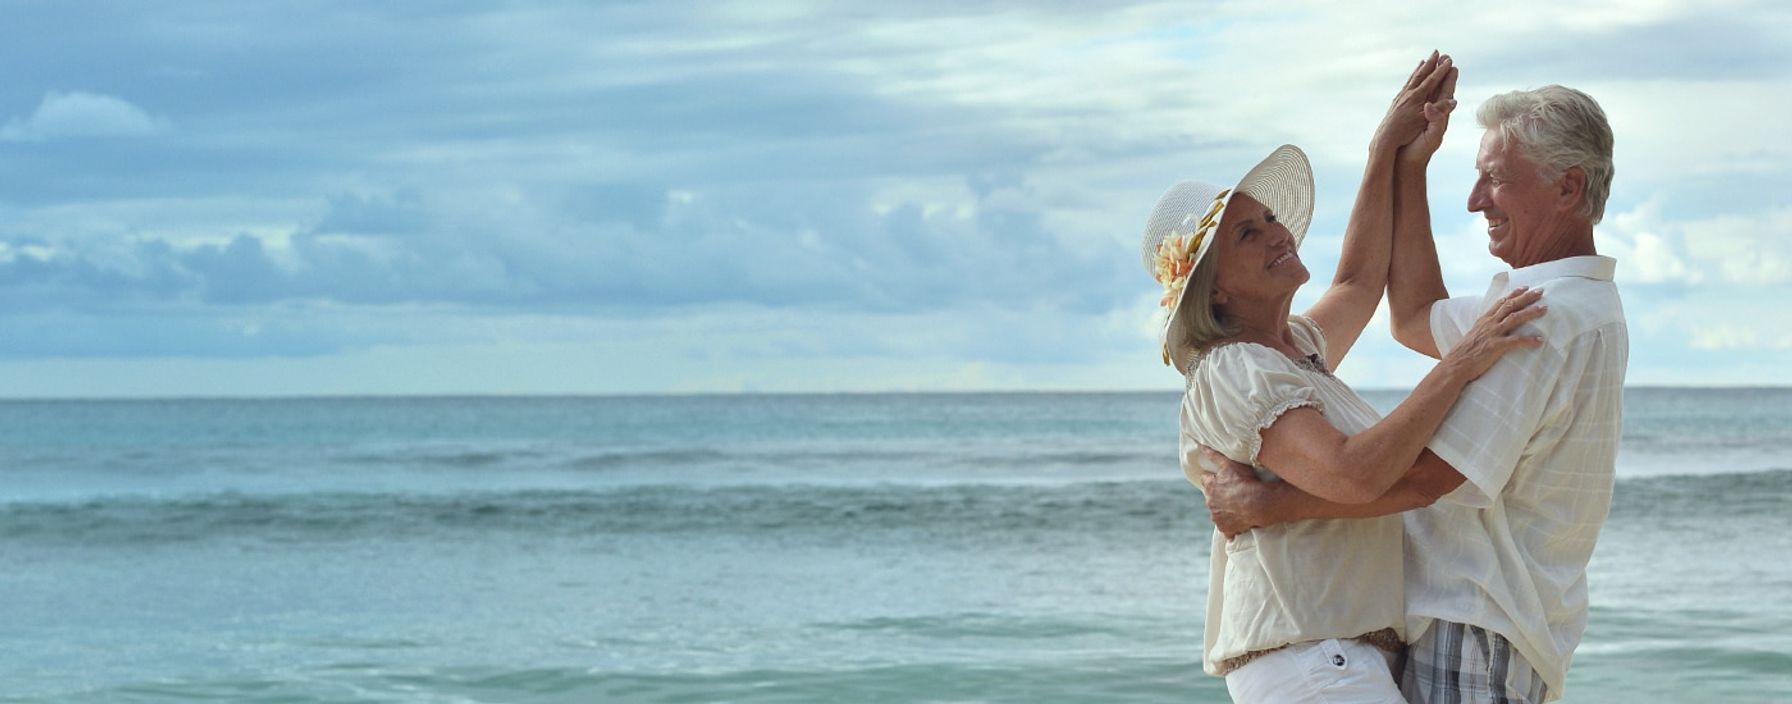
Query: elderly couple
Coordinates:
[1439,553]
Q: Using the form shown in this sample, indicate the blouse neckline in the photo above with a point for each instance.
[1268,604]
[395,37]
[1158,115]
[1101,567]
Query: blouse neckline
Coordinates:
[1313,362]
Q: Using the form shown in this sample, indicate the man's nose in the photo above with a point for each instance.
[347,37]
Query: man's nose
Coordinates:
[1477,198]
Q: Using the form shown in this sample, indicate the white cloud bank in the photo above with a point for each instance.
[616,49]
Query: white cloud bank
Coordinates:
[79,114]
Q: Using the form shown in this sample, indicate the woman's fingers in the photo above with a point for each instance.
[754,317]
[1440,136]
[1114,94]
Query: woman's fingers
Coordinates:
[1521,296]
[1520,317]
[1436,78]
[1518,298]
[1426,65]
[1507,344]
[1417,72]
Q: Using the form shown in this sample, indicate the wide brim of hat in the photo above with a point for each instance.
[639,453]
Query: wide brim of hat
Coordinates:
[1283,181]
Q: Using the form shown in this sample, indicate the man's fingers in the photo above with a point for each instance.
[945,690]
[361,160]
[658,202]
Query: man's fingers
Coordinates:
[1439,111]
[1211,459]
[1219,462]
[1239,470]
[1447,88]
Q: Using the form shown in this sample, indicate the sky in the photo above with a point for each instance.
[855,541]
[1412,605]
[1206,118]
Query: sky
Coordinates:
[349,198]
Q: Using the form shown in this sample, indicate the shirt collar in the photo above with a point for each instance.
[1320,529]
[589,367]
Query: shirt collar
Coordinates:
[1593,267]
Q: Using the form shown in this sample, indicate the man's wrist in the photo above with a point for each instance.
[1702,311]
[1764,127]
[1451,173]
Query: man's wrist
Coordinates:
[1412,161]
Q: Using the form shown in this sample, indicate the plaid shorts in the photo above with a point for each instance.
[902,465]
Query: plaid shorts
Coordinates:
[1455,663]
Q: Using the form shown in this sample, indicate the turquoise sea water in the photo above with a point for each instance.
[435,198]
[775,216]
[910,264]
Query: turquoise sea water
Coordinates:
[1010,547]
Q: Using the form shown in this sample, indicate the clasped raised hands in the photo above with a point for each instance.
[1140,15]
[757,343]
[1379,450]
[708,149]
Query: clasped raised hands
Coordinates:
[1415,122]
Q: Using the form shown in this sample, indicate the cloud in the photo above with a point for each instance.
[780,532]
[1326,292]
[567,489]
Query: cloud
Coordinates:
[66,115]
[820,245]
[963,182]
[1734,250]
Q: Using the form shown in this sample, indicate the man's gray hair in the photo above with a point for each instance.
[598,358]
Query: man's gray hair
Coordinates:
[1557,128]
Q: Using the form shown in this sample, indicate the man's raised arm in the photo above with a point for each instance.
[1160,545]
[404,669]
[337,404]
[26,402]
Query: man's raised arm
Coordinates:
[1415,281]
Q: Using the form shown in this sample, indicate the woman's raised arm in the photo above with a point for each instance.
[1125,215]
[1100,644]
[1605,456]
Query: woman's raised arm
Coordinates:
[1345,308]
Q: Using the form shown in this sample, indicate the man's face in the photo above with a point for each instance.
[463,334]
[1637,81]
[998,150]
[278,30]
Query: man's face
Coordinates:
[1524,212]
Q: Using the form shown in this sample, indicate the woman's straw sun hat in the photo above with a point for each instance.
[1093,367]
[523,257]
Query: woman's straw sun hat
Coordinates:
[1179,233]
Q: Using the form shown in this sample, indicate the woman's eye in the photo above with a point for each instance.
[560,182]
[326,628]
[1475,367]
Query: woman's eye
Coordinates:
[1270,217]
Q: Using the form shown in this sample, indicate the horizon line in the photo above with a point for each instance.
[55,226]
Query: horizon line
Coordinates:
[742,394]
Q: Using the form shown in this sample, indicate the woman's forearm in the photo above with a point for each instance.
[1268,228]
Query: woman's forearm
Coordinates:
[1368,240]
[1386,450]
[1275,503]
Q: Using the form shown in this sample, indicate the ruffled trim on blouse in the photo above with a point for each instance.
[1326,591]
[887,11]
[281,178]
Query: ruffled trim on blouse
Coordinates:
[1269,417]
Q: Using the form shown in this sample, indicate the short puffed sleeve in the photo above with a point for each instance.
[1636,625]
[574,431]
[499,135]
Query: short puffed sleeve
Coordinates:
[1308,336]
[1234,392]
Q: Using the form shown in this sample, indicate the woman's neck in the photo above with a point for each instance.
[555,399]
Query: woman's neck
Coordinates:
[1265,323]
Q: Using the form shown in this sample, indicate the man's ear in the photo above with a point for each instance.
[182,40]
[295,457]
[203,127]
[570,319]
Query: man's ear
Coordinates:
[1571,188]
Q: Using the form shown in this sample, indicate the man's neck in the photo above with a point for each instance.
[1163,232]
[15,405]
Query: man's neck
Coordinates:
[1577,242]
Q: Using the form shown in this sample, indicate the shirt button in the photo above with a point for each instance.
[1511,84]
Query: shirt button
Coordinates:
[1338,660]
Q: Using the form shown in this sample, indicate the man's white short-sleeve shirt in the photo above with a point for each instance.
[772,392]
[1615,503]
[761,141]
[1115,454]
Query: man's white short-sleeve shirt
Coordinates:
[1537,440]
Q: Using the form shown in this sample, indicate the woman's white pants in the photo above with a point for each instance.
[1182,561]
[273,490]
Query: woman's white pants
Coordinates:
[1318,672]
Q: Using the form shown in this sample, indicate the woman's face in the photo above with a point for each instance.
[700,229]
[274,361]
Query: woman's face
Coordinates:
[1257,260]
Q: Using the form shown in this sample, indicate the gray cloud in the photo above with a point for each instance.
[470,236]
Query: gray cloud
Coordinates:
[1698,46]
[820,245]
[941,163]
[544,173]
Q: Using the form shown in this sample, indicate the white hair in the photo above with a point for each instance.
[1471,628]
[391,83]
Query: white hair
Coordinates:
[1557,128]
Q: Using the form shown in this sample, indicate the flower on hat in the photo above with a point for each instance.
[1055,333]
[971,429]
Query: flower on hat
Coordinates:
[1175,259]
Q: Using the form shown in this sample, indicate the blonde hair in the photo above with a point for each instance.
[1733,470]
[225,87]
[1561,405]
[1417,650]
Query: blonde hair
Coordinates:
[1196,320]
[1557,128]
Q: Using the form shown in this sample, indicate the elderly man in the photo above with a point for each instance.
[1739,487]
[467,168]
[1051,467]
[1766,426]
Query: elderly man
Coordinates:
[1496,587]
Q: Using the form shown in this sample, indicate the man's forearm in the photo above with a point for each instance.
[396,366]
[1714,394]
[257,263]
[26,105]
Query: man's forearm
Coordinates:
[1415,281]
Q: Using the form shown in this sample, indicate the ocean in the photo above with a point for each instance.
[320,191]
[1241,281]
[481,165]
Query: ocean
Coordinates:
[827,548]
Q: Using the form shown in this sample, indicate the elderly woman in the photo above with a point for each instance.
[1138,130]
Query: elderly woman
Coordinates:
[1306,609]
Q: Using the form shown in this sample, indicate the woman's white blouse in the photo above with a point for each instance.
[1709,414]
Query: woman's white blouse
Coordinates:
[1300,581]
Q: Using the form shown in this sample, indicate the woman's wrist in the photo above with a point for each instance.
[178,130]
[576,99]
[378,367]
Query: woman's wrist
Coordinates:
[1453,371]
[1379,146]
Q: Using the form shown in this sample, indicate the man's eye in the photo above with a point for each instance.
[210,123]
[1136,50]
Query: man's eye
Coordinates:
[1270,217]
